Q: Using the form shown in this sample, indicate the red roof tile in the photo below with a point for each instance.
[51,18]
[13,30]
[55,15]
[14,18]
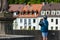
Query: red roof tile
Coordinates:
[21,8]
[15,7]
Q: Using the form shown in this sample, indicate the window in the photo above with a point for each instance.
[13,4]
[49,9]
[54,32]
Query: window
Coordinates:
[24,12]
[33,28]
[56,21]
[25,21]
[42,12]
[57,12]
[56,28]
[29,21]
[20,27]
[52,12]
[20,20]
[34,20]
[47,12]
[51,20]
[51,27]
[25,27]
[28,12]
[32,12]
[29,28]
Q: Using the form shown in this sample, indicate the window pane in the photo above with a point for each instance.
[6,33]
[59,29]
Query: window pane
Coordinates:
[51,27]
[29,21]
[57,12]
[20,20]
[20,27]
[33,28]
[29,28]
[51,20]
[47,12]
[56,28]
[34,20]
[25,27]
[42,12]
[25,21]
[52,12]
[56,21]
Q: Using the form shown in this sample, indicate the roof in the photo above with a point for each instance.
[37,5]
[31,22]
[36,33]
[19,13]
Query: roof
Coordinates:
[22,8]
[15,7]
[51,6]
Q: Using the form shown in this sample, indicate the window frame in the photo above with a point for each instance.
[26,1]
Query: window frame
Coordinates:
[21,20]
[57,12]
[34,20]
[56,21]
[51,27]
[52,20]
[56,27]
[52,12]
[43,12]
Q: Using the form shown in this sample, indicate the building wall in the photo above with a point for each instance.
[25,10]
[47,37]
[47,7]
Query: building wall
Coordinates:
[54,15]
[17,25]
[52,25]
[21,24]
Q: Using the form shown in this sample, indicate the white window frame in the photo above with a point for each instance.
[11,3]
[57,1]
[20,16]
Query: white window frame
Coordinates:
[57,28]
[58,12]
[43,12]
[48,12]
[21,20]
[52,12]
[33,20]
[29,21]
[52,28]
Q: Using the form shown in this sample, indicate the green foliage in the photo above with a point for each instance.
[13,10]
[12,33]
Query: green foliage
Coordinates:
[31,1]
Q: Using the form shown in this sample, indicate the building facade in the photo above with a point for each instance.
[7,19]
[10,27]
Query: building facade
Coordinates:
[27,16]
[52,10]
[30,15]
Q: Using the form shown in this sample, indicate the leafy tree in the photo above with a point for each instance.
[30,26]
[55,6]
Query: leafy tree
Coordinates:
[11,1]
[31,1]
[21,1]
